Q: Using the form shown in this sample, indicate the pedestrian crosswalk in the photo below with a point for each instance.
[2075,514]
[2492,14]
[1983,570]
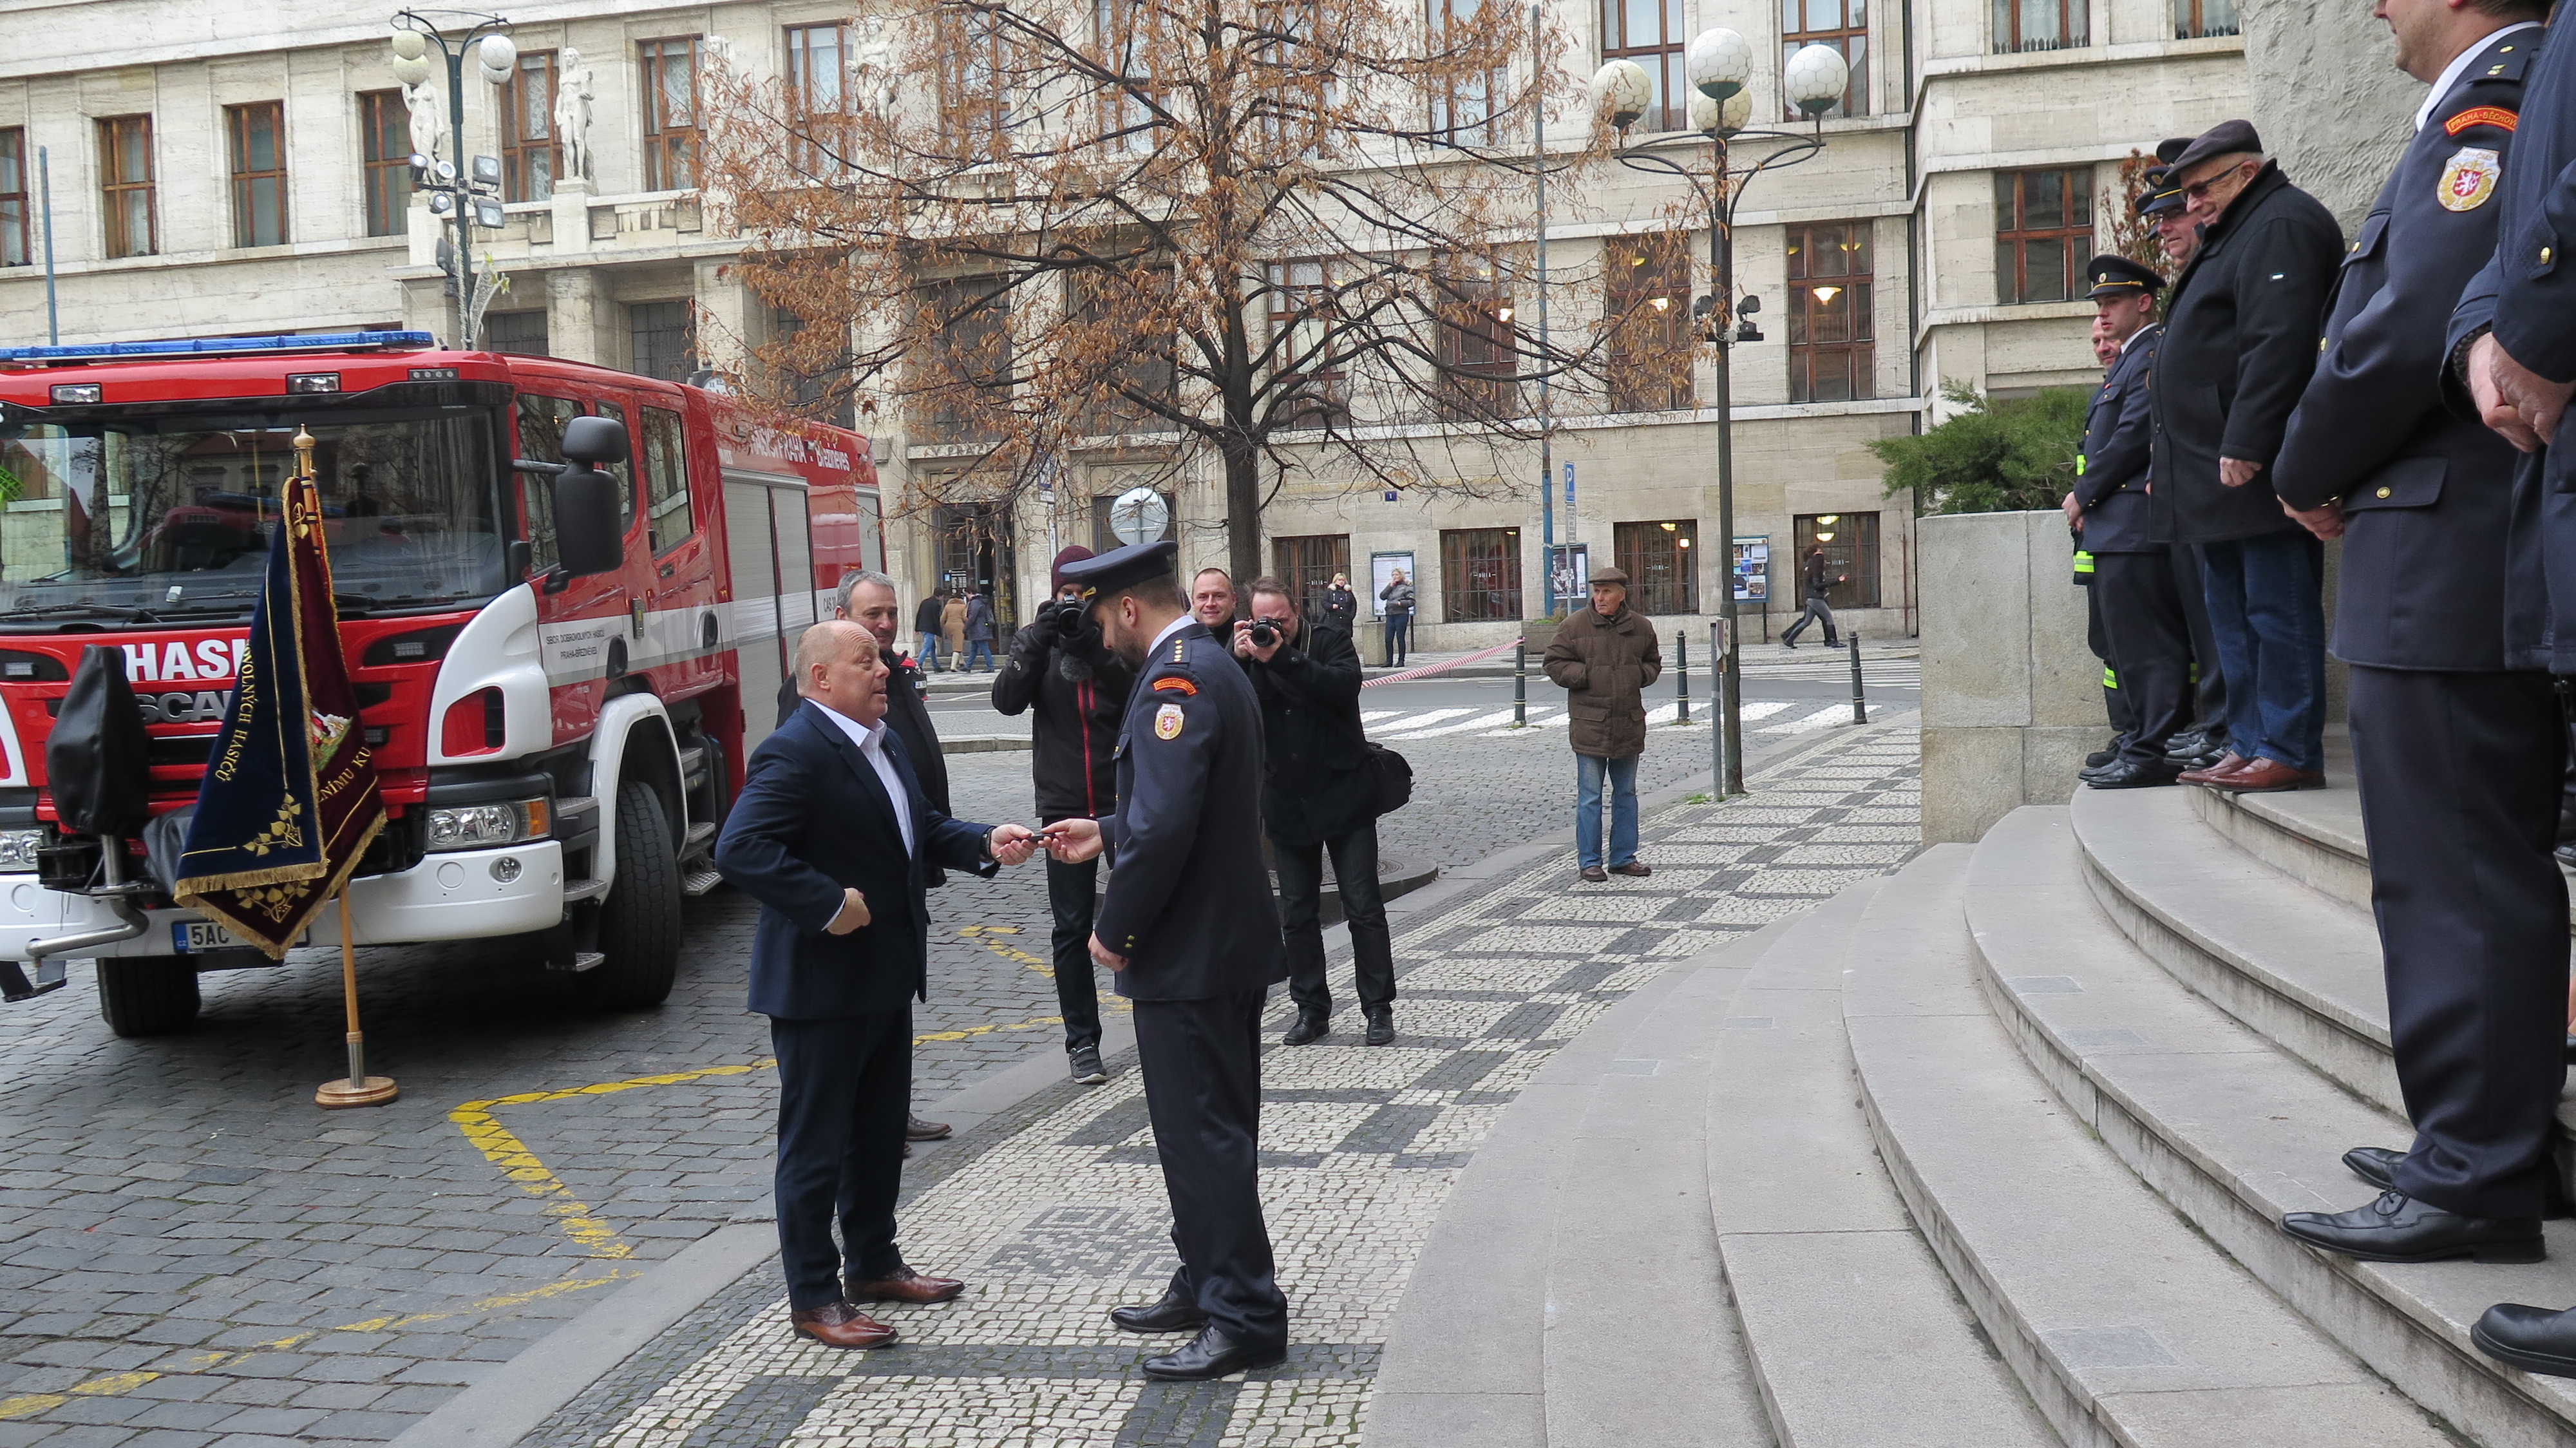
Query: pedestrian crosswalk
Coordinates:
[1763,716]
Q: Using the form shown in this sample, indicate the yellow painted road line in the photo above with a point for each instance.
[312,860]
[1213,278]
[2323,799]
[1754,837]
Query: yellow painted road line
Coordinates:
[984,934]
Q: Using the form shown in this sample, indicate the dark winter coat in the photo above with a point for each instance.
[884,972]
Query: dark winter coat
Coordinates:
[1605,667]
[1079,691]
[1315,782]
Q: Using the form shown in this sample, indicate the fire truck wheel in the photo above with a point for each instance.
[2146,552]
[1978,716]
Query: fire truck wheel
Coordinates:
[147,995]
[639,922]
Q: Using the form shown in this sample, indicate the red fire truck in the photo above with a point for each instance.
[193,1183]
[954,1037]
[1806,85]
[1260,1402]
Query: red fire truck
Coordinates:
[557,749]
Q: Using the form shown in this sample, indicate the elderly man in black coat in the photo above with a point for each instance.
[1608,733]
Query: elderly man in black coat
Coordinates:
[1318,796]
[832,836]
[2239,342]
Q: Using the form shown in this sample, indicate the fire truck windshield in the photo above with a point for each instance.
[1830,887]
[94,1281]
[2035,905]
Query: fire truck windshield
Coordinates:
[169,516]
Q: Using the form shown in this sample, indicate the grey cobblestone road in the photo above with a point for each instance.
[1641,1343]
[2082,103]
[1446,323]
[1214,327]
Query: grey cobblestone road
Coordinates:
[191,1254]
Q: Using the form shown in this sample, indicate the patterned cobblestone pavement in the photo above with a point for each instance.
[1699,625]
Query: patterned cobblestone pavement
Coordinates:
[1055,1212]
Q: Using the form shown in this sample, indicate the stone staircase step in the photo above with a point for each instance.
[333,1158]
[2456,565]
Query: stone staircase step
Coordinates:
[2234,1132]
[2299,966]
[2123,1322]
[1837,1294]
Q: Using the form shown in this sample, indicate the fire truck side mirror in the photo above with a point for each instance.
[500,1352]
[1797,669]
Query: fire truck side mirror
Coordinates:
[588,535]
[594,440]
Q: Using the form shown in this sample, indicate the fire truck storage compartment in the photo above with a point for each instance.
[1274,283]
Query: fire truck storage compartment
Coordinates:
[769,546]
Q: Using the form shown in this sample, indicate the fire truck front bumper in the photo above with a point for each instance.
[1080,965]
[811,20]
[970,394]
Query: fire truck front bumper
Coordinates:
[464,895]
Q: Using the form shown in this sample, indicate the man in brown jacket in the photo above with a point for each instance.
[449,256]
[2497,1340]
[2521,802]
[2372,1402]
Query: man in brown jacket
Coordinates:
[1604,657]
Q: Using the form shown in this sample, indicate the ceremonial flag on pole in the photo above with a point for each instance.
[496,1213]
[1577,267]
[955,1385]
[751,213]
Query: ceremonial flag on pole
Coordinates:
[290,797]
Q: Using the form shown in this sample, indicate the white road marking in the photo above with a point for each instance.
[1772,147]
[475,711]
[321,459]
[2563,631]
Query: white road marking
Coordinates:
[1824,718]
[1486,721]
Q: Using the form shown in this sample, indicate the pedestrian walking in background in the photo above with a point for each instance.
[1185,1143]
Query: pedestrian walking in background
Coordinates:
[952,628]
[926,621]
[1604,657]
[1820,580]
[979,630]
[1318,797]
[1341,606]
[1396,600]
[1075,692]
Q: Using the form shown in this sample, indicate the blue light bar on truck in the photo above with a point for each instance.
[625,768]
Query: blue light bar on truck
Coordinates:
[220,346]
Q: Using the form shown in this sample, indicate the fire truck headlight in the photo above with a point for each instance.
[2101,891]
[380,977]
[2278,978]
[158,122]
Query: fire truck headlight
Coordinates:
[472,826]
[18,851]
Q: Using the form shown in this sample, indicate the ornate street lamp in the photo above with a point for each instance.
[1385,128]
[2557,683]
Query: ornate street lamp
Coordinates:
[1719,64]
[466,196]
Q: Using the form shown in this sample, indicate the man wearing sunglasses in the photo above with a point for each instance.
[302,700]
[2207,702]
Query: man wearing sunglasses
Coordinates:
[2240,341]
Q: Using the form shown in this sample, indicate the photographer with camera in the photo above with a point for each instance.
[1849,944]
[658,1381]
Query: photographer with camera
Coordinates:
[1059,667]
[1318,794]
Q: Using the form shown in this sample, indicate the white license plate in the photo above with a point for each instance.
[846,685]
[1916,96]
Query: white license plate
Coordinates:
[193,936]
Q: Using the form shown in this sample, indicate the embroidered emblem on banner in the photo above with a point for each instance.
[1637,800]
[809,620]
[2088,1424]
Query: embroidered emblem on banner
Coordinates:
[2470,179]
[2496,116]
[1174,684]
[1167,722]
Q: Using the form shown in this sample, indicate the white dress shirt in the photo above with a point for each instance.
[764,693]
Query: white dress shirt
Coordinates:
[2451,73]
[871,741]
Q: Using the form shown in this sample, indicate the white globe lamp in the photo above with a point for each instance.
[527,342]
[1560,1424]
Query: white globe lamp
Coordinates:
[1625,90]
[411,70]
[1724,117]
[1719,62]
[1815,78]
[410,45]
[498,53]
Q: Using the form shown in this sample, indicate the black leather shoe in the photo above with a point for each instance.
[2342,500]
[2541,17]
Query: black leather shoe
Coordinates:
[2377,1165]
[2189,744]
[1212,1355]
[2100,757]
[2398,1228]
[1171,1313]
[1309,1029]
[1381,1026]
[2566,853]
[2133,774]
[2534,1339]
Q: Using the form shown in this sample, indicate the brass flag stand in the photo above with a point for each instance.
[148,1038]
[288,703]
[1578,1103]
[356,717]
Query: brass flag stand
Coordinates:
[360,1089]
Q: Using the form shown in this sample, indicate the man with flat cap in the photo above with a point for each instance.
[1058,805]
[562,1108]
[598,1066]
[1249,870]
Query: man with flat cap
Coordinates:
[2458,751]
[1188,928]
[2239,342]
[2133,578]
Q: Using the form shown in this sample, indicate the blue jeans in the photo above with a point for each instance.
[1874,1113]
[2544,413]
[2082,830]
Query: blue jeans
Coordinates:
[1588,769]
[928,657]
[979,649]
[2267,615]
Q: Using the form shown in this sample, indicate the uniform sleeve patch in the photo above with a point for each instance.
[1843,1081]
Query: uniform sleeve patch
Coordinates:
[1168,721]
[2496,116]
[2469,179]
[1174,684]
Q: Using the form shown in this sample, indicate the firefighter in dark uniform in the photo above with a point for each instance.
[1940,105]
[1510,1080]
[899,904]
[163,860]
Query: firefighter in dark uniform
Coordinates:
[2456,742]
[2205,740]
[2133,579]
[1190,930]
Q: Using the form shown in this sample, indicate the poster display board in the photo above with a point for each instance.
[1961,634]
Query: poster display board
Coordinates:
[1569,566]
[1753,570]
[1382,571]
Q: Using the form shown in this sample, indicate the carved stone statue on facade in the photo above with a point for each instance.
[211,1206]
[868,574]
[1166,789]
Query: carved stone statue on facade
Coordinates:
[428,118]
[572,113]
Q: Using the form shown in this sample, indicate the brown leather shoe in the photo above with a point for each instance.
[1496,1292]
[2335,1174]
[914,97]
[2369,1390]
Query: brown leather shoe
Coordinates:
[2269,776]
[838,1324]
[907,1285]
[1634,867]
[916,1129]
[1595,874]
[2228,764]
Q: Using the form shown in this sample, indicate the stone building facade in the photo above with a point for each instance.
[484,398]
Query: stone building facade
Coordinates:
[217,169]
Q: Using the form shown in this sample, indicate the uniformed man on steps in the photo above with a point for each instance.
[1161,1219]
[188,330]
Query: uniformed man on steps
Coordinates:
[1189,928]
[2128,537]
[2457,744]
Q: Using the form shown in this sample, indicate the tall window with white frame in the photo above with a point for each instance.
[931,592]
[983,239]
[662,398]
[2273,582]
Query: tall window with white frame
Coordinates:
[1832,336]
[2022,25]
[1840,24]
[384,142]
[530,156]
[125,182]
[1464,98]
[1650,33]
[2043,233]
[257,135]
[670,69]
[818,60]
[14,250]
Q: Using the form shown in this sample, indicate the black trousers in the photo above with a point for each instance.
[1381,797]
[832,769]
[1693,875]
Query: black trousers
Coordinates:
[2150,640]
[2209,682]
[1073,897]
[1202,1065]
[1301,893]
[844,1088]
[1815,611]
[2459,801]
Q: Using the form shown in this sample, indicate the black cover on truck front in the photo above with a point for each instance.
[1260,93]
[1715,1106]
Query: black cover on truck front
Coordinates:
[97,761]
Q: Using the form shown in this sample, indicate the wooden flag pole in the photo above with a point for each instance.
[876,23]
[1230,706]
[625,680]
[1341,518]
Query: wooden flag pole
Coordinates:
[360,1089]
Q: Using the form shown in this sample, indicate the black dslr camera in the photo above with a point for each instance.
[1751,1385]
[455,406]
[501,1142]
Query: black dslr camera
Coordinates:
[1265,633]
[1070,616]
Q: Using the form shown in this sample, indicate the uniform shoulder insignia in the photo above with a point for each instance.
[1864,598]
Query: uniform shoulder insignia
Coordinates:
[1180,651]
[2496,116]
[1175,684]
[2469,179]
[1168,721]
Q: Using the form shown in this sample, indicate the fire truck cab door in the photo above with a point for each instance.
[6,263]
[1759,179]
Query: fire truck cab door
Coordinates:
[769,549]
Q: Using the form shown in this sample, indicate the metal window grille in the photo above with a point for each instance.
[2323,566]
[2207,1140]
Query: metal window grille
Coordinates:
[1480,574]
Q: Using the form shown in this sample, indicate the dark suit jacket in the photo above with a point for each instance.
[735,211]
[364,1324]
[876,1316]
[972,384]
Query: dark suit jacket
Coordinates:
[814,819]
[1315,782]
[2111,472]
[1189,901]
[2240,340]
[2426,495]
